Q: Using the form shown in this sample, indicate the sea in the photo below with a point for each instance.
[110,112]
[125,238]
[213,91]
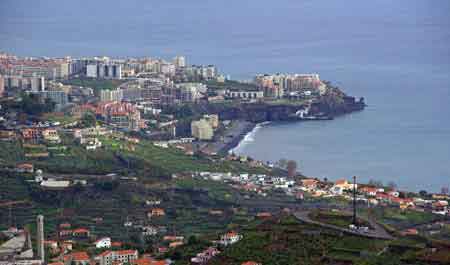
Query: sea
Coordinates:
[395,54]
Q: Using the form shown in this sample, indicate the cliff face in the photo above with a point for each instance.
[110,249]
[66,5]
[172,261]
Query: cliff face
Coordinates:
[335,103]
[263,112]
[329,105]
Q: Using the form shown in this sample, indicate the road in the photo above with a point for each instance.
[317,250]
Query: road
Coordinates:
[378,232]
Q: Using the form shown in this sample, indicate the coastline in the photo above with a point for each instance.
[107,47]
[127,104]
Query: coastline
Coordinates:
[244,137]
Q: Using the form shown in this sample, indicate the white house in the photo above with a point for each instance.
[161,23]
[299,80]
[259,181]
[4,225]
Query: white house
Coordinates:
[104,242]
[230,238]
[149,231]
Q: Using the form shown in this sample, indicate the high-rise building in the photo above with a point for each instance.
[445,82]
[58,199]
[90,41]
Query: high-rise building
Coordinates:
[2,85]
[37,84]
[101,70]
[91,70]
[179,61]
[111,95]
[40,237]
[59,97]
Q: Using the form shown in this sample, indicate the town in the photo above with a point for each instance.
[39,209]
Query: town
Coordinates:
[130,161]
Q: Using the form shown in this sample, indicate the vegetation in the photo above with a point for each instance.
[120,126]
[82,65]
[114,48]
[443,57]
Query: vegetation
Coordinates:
[285,240]
[30,104]
[95,84]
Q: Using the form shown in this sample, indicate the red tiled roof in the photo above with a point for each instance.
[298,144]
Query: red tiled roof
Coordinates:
[341,181]
[148,261]
[142,261]
[81,230]
[78,256]
[126,252]
[116,244]
[105,253]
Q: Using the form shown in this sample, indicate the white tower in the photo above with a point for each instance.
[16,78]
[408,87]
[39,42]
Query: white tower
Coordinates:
[40,237]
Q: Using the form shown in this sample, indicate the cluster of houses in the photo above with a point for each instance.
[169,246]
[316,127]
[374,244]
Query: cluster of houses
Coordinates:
[63,248]
[262,184]
[225,240]
[64,253]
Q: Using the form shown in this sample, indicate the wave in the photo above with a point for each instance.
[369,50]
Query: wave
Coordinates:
[248,138]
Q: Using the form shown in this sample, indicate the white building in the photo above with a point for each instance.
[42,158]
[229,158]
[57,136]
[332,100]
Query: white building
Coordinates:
[104,242]
[111,95]
[230,238]
[122,256]
[91,70]
[179,61]
[202,130]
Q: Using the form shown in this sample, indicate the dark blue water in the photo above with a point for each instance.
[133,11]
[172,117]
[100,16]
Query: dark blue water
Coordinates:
[395,53]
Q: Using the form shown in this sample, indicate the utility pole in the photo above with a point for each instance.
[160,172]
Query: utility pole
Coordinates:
[354,200]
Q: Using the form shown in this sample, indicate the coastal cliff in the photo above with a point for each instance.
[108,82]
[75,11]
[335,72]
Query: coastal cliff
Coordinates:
[331,104]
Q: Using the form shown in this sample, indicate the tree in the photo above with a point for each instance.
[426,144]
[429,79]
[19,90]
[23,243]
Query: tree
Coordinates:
[192,240]
[392,185]
[88,120]
[423,193]
[291,168]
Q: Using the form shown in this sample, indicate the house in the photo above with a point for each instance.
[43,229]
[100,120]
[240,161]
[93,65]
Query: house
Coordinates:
[343,185]
[109,257]
[215,212]
[31,134]
[80,232]
[440,196]
[230,238]
[440,207]
[173,238]
[7,135]
[76,258]
[25,168]
[162,250]
[104,242]
[156,212]
[205,256]
[67,245]
[149,231]
[369,191]
[51,136]
[309,184]
[51,244]
[263,215]
[65,233]
[148,261]
[175,244]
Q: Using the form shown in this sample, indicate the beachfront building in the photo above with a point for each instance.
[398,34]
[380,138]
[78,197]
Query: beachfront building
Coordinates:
[202,130]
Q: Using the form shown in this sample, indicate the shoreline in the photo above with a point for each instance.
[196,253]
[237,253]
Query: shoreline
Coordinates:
[244,136]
